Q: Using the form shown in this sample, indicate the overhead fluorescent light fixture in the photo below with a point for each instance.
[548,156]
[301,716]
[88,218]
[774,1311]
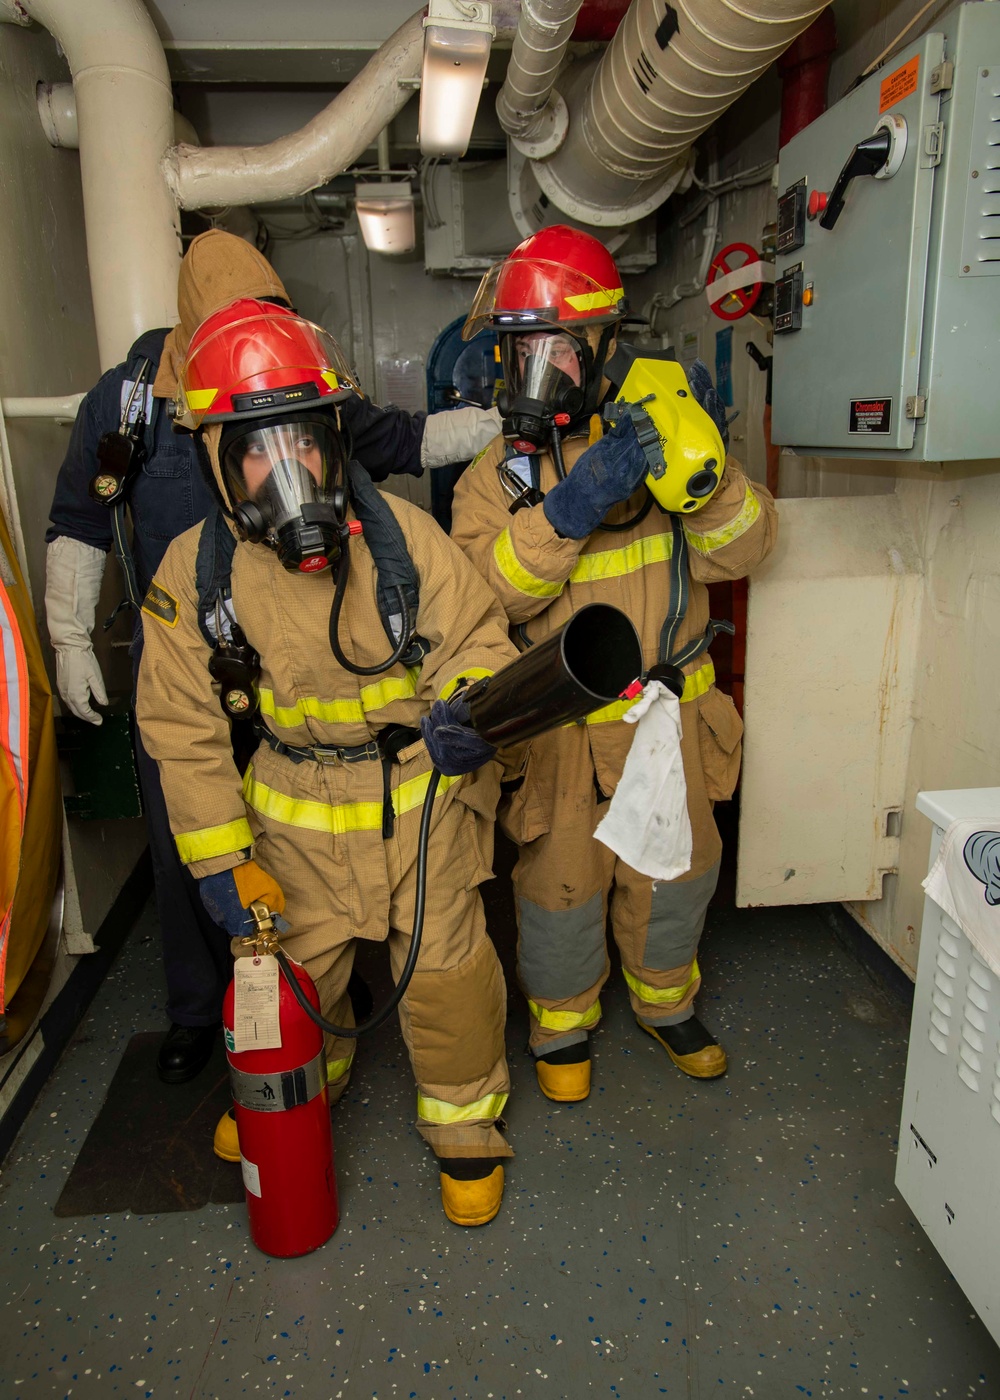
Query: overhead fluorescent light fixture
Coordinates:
[385,216]
[457,39]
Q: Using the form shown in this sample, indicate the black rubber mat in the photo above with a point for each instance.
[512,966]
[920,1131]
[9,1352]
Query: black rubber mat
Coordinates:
[150,1149]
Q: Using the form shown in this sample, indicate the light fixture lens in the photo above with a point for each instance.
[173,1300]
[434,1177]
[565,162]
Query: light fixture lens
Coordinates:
[386,217]
[450,87]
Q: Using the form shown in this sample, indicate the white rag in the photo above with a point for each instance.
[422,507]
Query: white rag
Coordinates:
[964,881]
[647,824]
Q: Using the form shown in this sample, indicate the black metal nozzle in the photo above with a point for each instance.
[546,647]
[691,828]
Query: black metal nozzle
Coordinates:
[582,667]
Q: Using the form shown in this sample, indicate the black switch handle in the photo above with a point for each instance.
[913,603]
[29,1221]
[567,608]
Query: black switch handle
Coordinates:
[867,157]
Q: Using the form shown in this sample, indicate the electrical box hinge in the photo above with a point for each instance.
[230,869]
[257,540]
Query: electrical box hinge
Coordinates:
[916,406]
[933,145]
[942,76]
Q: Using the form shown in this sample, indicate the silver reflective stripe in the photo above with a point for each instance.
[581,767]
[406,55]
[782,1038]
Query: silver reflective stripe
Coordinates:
[273,1093]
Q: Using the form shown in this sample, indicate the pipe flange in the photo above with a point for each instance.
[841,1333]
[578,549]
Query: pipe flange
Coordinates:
[549,127]
[649,195]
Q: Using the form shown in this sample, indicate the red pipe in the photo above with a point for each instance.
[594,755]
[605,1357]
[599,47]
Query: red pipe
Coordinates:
[598,20]
[804,68]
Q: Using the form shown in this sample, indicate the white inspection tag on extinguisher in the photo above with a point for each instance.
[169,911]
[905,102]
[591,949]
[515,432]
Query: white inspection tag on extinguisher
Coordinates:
[256,1025]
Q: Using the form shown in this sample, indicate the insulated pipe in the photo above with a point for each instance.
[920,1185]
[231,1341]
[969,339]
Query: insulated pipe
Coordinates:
[532,114]
[63,410]
[57,111]
[326,146]
[667,75]
[125,113]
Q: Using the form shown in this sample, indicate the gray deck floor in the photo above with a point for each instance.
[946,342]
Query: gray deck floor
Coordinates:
[666,1237]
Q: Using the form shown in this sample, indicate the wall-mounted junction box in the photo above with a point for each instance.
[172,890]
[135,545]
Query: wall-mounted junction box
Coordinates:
[887,294]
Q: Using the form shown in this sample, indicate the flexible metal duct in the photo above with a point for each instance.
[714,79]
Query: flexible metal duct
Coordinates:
[531,113]
[329,144]
[669,72]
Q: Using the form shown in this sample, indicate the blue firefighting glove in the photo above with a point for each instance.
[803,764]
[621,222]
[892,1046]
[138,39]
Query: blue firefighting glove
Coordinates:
[454,747]
[607,473]
[700,380]
[228,895]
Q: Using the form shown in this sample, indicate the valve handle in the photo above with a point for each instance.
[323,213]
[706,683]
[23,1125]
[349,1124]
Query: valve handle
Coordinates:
[867,157]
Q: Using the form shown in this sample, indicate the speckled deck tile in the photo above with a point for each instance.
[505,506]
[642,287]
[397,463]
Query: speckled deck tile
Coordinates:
[666,1237]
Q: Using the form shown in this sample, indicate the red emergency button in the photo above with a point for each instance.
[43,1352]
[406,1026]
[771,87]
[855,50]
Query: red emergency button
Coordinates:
[818,200]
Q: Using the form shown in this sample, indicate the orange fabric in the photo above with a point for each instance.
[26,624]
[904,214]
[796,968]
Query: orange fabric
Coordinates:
[41,840]
[252,884]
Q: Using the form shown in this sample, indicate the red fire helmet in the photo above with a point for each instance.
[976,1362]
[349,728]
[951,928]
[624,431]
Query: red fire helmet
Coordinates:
[559,276]
[251,359]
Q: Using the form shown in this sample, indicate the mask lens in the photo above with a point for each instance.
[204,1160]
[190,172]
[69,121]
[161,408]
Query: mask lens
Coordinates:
[541,366]
[283,467]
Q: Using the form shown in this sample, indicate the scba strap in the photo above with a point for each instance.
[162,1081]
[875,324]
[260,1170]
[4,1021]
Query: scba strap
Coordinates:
[234,663]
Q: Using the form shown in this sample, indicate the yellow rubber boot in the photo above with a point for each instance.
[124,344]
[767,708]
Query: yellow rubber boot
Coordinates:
[564,1075]
[473,1194]
[226,1143]
[691,1047]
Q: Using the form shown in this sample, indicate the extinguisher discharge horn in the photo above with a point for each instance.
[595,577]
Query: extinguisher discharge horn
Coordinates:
[584,666]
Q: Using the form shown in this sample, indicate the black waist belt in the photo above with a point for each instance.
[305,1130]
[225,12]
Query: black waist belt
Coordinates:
[385,747]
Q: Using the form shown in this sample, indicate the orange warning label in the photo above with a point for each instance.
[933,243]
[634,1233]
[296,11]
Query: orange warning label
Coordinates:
[899,84]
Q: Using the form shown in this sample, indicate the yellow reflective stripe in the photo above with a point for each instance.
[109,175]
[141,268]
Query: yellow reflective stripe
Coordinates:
[336,1069]
[213,841]
[717,539]
[698,682]
[565,1020]
[517,575]
[694,685]
[662,996]
[596,301]
[613,563]
[471,673]
[440,1111]
[372,697]
[329,377]
[334,818]
[199,398]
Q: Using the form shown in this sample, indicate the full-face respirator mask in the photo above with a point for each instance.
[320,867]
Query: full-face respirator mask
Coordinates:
[285,478]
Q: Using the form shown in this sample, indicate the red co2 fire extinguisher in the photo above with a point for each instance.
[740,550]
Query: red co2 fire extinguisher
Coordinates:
[283,1118]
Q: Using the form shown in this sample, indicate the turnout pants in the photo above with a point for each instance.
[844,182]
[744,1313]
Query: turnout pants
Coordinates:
[318,830]
[566,883]
[196,960]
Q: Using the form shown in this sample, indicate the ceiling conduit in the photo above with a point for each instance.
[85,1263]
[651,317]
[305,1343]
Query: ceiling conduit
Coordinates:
[226,175]
[669,72]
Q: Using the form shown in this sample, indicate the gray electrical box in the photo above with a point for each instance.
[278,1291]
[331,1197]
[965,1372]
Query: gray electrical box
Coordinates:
[887,274]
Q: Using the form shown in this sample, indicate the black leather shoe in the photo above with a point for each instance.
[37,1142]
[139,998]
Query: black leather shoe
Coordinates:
[185,1051]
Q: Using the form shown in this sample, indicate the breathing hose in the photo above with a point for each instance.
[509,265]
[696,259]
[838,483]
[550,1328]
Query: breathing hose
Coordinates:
[406,633]
[384,1012]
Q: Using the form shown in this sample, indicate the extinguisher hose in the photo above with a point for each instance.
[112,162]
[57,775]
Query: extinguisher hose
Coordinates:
[384,1012]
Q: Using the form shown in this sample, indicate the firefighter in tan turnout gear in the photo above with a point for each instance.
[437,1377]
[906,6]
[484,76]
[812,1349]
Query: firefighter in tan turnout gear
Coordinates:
[549,539]
[287,596]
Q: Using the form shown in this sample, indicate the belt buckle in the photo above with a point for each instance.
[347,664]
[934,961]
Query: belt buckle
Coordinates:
[328,757]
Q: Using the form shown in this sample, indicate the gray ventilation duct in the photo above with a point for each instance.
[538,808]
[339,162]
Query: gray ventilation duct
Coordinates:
[633,113]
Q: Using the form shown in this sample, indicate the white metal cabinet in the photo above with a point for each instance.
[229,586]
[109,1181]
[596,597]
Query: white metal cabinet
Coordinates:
[948,1167]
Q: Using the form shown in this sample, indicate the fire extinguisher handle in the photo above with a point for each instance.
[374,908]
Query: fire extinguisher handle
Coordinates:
[420,898]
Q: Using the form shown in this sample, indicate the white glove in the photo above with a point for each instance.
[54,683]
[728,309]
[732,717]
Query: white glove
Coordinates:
[457,434]
[647,823]
[73,575]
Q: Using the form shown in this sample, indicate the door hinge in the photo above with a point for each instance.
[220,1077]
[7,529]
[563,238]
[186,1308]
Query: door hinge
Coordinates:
[916,406]
[933,145]
[942,76]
